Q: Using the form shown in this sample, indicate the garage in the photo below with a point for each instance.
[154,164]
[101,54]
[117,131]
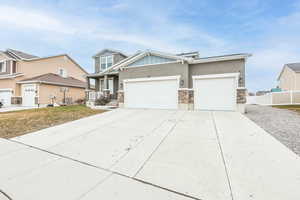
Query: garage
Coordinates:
[28,94]
[5,96]
[215,92]
[155,92]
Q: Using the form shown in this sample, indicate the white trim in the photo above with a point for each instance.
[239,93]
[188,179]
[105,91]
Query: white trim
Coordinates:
[220,58]
[189,89]
[155,53]
[7,76]
[157,78]
[4,69]
[50,83]
[210,76]
[106,58]
[7,89]
[146,65]
[65,73]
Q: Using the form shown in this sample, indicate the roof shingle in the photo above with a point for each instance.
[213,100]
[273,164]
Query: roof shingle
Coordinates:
[294,66]
[20,54]
[56,79]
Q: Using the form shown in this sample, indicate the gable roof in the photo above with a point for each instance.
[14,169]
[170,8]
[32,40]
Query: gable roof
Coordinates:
[293,66]
[20,55]
[176,57]
[55,79]
[110,50]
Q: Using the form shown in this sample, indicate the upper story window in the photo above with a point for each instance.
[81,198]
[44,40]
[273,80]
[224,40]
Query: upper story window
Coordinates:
[3,66]
[105,62]
[62,72]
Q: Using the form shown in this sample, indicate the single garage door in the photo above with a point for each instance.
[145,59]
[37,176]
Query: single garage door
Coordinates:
[5,97]
[28,94]
[215,92]
[158,92]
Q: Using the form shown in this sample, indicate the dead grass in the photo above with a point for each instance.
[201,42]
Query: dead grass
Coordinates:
[17,123]
[295,108]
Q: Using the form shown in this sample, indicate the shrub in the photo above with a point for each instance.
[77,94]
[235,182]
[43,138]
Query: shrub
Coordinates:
[80,101]
[102,101]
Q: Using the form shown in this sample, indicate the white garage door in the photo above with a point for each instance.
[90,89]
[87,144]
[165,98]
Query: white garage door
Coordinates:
[158,92]
[215,92]
[5,97]
[28,95]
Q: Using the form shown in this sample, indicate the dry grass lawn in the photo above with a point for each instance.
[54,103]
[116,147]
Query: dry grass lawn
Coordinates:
[295,108]
[17,123]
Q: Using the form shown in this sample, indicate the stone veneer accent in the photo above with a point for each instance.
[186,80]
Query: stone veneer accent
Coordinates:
[186,99]
[16,100]
[241,96]
[120,97]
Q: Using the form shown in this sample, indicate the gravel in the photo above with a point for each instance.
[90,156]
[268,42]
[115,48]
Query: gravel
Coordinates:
[283,124]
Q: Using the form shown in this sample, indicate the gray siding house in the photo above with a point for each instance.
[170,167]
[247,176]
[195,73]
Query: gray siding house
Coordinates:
[152,79]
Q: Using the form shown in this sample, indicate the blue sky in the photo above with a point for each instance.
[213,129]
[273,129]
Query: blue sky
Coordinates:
[269,29]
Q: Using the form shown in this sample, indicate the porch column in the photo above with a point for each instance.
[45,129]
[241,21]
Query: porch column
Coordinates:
[105,83]
[88,86]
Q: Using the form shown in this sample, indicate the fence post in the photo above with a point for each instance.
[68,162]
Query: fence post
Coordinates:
[291,96]
[271,98]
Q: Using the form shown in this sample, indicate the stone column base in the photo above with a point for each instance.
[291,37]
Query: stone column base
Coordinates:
[186,99]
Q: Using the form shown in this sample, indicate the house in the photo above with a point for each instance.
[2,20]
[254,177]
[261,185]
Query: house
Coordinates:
[29,80]
[153,79]
[289,77]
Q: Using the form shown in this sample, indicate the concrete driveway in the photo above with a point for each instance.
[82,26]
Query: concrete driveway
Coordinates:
[150,154]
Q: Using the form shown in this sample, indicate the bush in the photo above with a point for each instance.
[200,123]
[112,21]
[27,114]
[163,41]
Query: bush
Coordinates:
[80,101]
[102,101]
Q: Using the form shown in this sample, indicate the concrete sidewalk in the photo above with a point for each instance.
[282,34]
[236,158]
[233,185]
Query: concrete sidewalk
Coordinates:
[150,154]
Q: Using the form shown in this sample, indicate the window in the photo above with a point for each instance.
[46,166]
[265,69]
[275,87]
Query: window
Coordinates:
[14,67]
[62,72]
[105,62]
[3,66]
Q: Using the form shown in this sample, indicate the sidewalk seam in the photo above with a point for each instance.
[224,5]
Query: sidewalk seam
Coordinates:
[222,154]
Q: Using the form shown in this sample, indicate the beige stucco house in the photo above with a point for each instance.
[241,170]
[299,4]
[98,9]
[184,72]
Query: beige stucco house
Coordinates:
[29,80]
[289,78]
[153,79]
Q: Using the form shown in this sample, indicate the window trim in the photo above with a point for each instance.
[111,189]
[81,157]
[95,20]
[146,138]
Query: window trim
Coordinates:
[4,69]
[106,63]
[65,73]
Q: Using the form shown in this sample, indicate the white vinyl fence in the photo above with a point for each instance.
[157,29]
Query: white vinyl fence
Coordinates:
[276,98]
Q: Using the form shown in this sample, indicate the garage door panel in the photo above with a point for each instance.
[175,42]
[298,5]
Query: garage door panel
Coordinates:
[5,97]
[161,94]
[215,93]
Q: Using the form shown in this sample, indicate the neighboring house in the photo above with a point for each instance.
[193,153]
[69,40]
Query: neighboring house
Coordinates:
[289,77]
[151,79]
[29,80]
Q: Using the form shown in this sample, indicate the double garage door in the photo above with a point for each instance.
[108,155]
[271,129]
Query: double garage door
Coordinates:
[211,92]
[160,92]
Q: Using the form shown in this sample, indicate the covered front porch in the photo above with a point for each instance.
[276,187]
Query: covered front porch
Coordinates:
[104,85]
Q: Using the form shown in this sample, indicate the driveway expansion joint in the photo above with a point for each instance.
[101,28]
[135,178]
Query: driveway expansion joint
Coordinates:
[222,153]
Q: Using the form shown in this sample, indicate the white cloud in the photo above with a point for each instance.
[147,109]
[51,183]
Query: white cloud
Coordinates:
[32,19]
[156,30]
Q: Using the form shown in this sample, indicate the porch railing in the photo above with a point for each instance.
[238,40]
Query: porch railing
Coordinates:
[94,95]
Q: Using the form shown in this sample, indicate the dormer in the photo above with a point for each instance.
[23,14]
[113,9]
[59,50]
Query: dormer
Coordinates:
[107,58]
